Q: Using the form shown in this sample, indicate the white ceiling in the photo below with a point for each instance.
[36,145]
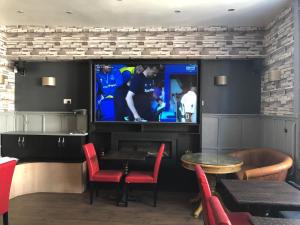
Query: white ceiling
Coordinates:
[116,13]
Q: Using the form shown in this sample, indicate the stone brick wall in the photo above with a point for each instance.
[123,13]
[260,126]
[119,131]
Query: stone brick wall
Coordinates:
[7,90]
[274,43]
[278,96]
[55,43]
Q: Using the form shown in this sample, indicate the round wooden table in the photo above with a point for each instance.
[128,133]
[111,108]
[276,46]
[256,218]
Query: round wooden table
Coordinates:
[212,164]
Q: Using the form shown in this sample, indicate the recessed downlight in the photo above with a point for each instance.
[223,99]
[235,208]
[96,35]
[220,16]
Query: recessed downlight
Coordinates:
[68,12]
[230,10]
[20,11]
[177,11]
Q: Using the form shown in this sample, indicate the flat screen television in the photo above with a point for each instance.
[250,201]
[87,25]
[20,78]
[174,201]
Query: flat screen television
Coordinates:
[146,92]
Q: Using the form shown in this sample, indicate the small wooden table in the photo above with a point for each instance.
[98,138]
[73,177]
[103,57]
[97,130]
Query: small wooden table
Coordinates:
[212,164]
[266,194]
[255,220]
[125,156]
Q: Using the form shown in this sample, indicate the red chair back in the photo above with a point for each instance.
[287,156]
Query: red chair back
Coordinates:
[220,215]
[158,161]
[91,159]
[6,174]
[206,194]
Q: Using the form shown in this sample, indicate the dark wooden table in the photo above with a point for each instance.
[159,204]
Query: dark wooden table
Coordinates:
[125,156]
[255,220]
[268,194]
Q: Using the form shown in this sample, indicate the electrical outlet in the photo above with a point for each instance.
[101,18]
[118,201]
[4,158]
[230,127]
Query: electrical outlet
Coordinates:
[67,101]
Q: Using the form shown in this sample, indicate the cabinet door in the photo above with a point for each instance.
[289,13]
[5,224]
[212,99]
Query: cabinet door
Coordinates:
[71,149]
[31,146]
[14,146]
[50,150]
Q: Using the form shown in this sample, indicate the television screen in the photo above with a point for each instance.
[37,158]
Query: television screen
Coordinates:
[149,92]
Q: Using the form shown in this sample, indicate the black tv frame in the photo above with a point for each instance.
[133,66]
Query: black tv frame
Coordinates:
[141,61]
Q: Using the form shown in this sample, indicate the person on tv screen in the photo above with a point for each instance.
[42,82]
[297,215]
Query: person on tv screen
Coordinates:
[106,86]
[140,94]
[189,105]
[123,80]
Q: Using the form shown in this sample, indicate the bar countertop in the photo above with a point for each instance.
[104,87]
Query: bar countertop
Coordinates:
[46,133]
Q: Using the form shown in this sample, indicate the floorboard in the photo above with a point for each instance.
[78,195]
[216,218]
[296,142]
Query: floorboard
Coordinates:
[70,209]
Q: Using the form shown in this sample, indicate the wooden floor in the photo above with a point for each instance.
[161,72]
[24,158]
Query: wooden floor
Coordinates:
[72,209]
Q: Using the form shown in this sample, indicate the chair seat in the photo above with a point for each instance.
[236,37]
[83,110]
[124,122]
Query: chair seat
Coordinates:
[107,176]
[140,177]
[239,218]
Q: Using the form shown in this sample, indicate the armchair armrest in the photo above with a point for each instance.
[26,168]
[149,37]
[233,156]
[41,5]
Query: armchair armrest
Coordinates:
[269,170]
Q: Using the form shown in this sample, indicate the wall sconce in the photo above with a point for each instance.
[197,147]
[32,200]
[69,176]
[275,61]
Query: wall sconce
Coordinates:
[274,75]
[220,80]
[2,79]
[48,81]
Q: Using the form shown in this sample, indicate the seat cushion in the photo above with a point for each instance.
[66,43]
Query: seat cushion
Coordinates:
[107,176]
[139,177]
[239,218]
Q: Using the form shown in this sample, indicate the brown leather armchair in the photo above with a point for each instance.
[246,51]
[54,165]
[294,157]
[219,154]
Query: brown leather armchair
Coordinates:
[263,164]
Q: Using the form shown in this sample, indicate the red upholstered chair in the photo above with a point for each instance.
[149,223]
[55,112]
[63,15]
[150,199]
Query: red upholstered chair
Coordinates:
[236,218]
[6,173]
[95,174]
[219,214]
[146,177]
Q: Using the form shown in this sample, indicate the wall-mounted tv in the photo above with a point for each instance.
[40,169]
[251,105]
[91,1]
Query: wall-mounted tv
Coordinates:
[146,92]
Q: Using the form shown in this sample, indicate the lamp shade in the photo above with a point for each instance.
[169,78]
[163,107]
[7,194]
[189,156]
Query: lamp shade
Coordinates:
[48,81]
[221,80]
[274,75]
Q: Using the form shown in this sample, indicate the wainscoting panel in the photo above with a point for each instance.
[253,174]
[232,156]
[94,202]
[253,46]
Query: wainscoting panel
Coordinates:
[251,132]
[210,129]
[7,122]
[231,132]
[279,133]
[34,122]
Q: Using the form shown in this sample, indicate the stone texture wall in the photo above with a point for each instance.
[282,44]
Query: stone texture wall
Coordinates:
[274,43]
[55,43]
[7,90]
[278,96]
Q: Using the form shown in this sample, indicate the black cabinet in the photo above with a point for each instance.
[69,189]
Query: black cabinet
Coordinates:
[43,147]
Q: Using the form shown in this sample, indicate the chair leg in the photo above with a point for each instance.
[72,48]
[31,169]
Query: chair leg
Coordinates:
[126,194]
[91,192]
[5,218]
[119,193]
[154,194]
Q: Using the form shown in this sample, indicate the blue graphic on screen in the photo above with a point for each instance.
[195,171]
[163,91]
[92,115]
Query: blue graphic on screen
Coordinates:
[146,92]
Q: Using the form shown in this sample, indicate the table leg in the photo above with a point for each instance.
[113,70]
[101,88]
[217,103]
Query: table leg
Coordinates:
[197,198]
[198,211]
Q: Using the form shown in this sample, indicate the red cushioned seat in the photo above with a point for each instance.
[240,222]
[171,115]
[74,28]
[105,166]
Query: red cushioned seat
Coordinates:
[140,177]
[95,174]
[214,215]
[107,176]
[239,218]
[146,177]
[6,173]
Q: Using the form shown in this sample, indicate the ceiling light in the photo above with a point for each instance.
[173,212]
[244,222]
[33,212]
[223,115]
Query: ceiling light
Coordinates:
[20,11]
[230,10]
[68,12]
[177,11]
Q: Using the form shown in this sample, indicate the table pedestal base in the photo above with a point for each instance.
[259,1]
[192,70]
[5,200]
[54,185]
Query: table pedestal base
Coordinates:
[212,184]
